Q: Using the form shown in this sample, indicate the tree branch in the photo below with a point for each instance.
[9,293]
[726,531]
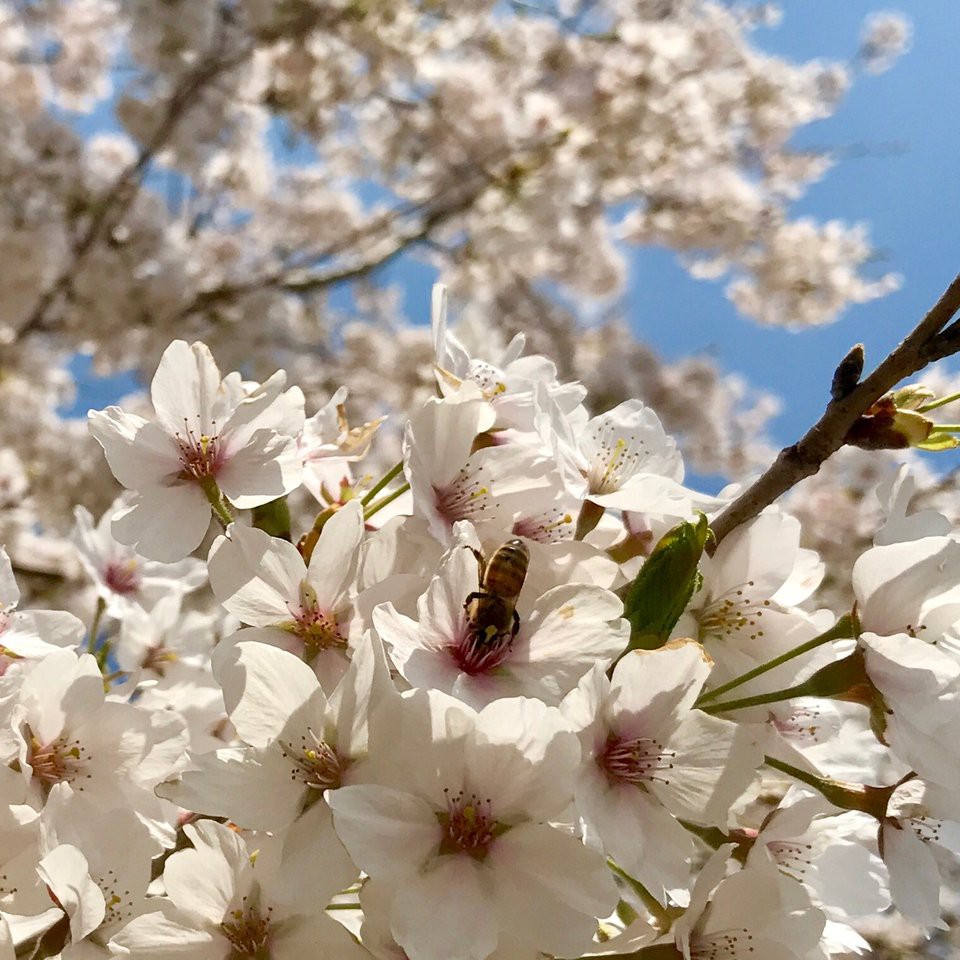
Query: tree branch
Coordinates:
[803,459]
[123,191]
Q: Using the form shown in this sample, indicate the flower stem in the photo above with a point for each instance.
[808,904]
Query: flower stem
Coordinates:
[217,502]
[95,625]
[939,402]
[843,629]
[371,508]
[847,796]
[391,474]
[660,913]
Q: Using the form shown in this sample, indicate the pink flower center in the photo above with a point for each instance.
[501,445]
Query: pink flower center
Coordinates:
[551,526]
[248,932]
[201,454]
[61,761]
[314,762]
[122,576]
[469,825]
[475,653]
[638,761]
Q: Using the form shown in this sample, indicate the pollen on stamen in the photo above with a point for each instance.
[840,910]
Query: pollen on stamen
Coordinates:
[616,458]
[248,930]
[551,526]
[314,762]
[60,761]
[794,858]
[927,829]
[468,497]
[733,613]
[469,825]
[201,455]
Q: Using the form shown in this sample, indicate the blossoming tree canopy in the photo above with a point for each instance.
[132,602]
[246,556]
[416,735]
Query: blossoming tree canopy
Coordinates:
[408,714]
[240,173]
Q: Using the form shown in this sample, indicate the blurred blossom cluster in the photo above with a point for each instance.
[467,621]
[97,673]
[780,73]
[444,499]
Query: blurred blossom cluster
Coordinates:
[238,172]
[496,701]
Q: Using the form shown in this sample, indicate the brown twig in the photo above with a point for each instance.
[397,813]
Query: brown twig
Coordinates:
[927,342]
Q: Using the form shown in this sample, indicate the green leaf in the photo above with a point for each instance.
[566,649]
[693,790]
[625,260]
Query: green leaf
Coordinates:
[665,584]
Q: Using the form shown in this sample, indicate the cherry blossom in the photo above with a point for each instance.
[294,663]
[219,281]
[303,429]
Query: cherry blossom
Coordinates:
[212,438]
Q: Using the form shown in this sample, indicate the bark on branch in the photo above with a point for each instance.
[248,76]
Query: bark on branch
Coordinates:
[930,340]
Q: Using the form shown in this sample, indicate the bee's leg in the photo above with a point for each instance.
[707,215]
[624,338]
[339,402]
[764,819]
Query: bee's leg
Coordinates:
[516,626]
[473,596]
[481,563]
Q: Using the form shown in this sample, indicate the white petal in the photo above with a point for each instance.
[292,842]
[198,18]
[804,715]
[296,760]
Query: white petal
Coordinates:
[334,560]
[186,390]
[255,576]
[550,888]
[262,687]
[914,877]
[164,523]
[388,833]
[445,913]
[64,870]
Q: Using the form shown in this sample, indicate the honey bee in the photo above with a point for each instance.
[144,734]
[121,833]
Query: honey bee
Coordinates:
[491,610]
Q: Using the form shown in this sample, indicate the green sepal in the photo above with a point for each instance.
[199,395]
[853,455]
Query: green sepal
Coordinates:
[274,518]
[663,587]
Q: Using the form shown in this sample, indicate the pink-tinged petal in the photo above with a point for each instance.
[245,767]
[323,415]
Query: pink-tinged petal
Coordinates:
[523,757]
[169,934]
[164,523]
[252,788]
[140,453]
[387,833]
[266,468]
[314,865]
[446,912]
[334,561]
[255,576]
[204,881]
[650,689]
[262,687]
[186,390]
[550,888]
[914,877]
[64,870]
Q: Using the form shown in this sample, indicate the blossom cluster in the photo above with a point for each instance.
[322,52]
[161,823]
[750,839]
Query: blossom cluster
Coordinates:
[499,702]
[237,172]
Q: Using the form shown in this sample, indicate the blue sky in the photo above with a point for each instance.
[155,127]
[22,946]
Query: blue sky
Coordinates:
[899,139]
[909,195]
